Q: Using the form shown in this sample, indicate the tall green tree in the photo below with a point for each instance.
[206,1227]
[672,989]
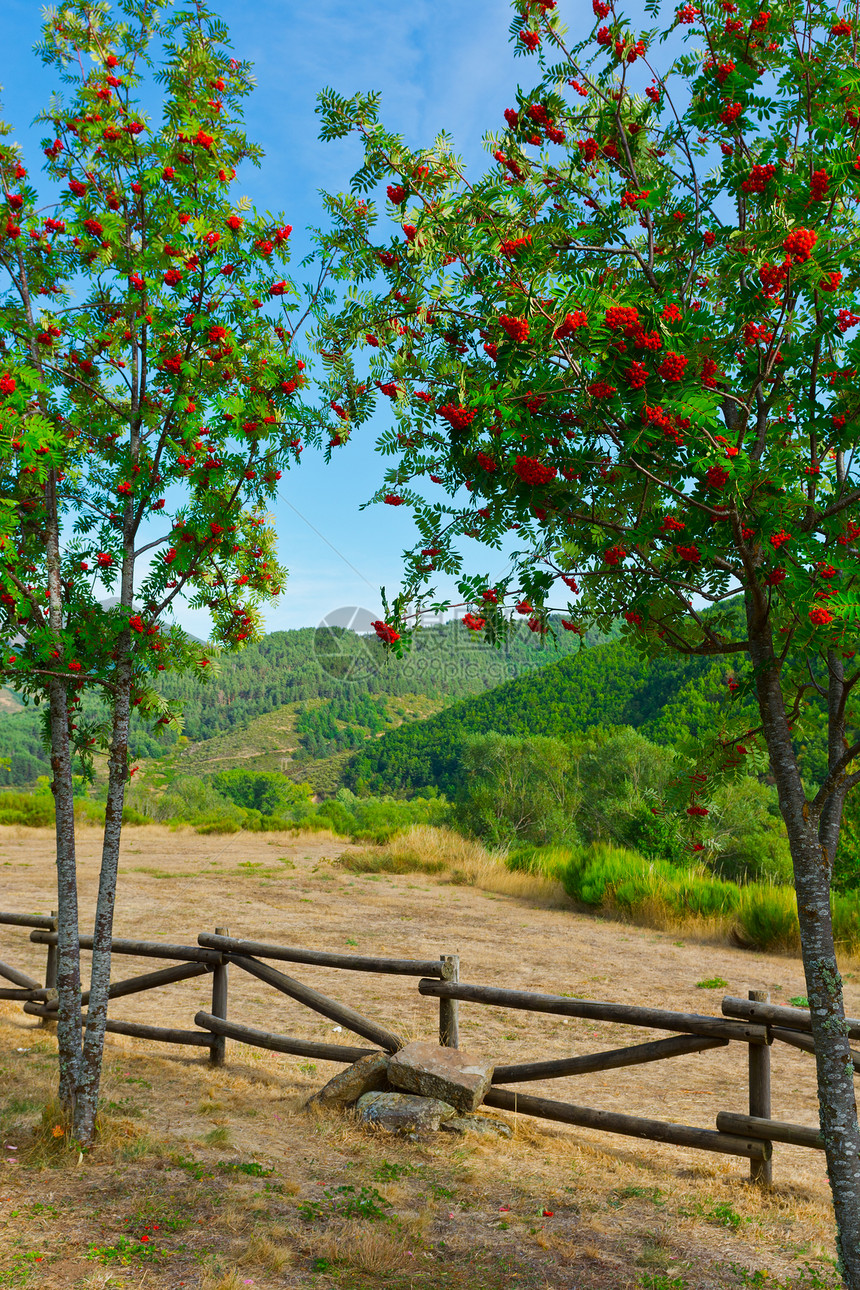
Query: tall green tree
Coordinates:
[628,355]
[150,398]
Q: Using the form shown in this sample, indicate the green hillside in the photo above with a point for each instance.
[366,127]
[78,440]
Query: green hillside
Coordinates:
[252,705]
[608,685]
[308,741]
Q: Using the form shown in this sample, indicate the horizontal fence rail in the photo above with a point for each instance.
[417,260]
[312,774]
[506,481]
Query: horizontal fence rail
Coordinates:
[771,1014]
[754,1022]
[755,1126]
[631,1126]
[28,920]
[141,949]
[623,1013]
[323,958]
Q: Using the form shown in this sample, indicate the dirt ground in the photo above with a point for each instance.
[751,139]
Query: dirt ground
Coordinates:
[186,1162]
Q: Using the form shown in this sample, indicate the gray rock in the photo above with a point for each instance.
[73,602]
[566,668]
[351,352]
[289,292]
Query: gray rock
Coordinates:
[402,1112]
[477,1124]
[367,1075]
[462,1079]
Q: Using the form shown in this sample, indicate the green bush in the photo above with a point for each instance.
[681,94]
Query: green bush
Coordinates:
[603,876]
[748,833]
[376,862]
[224,803]
[767,917]
[701,895]
[760,916]
[548,862]
[30,809]
[620,880]
[518,789]
[267,792]
[36,811]
[377,819]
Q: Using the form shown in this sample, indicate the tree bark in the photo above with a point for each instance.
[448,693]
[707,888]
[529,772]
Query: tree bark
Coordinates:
[68,947]
[68,950]
[93,1048]
[812,869]
[830,823]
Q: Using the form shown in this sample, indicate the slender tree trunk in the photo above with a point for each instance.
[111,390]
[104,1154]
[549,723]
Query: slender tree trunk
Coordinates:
[830,823]
[812,867]
[93,1048]
[68,949]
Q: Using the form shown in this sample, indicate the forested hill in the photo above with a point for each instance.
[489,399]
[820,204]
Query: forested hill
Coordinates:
[608,685]
[329,663]
[446,662]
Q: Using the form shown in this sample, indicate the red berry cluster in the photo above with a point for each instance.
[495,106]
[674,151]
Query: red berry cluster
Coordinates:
[534,472]
[516,328]
[458,418]
[673,367]
[759,178]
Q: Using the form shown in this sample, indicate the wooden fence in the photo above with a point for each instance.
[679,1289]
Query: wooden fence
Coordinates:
[753,1021]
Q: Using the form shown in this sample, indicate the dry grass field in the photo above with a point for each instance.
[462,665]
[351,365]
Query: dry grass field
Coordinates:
[219,1179]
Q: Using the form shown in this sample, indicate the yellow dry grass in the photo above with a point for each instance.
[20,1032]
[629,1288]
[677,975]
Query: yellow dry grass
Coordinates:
[463,861]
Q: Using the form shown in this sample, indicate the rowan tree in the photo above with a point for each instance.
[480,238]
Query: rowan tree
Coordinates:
[149,409]
[627,355]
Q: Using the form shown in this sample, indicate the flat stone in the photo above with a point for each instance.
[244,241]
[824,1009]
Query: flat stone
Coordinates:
[402,1112]
[367,1075]
[477,1124]
[460,1078]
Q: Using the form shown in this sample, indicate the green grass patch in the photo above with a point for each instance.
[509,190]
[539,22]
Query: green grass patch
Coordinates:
[622,883]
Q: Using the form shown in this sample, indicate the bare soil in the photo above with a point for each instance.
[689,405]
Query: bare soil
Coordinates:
[552,1207]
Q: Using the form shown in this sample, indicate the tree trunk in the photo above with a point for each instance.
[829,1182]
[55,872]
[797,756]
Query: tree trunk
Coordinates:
[68,950]
[93,1048]
[812,868]
[830,824]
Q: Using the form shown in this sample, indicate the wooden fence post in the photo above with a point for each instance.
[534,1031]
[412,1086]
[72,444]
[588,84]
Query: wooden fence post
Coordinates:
[449,1009]
[761,1171]
[51,967]
[217,1051]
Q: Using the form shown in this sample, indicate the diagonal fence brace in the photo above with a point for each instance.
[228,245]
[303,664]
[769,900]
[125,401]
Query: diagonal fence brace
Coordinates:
[318,1002]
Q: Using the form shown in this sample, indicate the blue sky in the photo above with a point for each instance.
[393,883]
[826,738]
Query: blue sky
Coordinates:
[440,65]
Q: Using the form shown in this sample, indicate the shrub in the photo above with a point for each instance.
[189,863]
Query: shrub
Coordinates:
[36,811]
[767,918]
[749,834]
[620,880]
[518,789]
[267,792]
[702,895]
[378,819]
[846,921]
[604,875]
[404,861]
[30,809]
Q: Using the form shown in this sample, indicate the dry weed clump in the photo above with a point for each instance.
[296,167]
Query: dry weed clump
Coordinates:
[463,861]
[273,1255]
[216,1275]
[370,1249]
